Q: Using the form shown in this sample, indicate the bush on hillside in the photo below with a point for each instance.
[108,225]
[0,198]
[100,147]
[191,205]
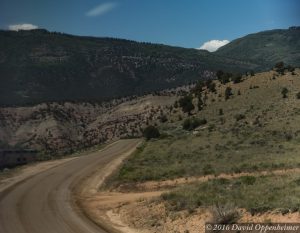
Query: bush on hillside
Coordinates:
[239,117]
[228,93]
[237,78]
[221,112]
[163,118]
[279,67]
[192,123]
[225,214]
[223,77]
[284,92]
[290,68]
[151,132]
[212,87]
[186,103]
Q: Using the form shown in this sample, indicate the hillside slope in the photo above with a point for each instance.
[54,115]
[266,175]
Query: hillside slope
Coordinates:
[61,128]
[256,127]
[239,165]
[38,66]
[267,47]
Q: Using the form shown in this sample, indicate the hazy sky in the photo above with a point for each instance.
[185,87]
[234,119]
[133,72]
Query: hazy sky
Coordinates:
[187,23]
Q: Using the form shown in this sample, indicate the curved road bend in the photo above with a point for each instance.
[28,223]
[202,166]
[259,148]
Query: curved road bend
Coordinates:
[42,203]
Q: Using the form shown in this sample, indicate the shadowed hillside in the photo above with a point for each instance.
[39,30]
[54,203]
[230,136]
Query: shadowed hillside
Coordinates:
[39,66]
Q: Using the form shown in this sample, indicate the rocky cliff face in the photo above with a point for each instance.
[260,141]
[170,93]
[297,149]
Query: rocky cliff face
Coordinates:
[60,128]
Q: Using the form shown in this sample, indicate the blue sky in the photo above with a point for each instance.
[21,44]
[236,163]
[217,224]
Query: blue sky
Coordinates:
[188,23]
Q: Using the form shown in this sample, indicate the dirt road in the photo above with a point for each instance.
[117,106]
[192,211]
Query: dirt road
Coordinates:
[43,203]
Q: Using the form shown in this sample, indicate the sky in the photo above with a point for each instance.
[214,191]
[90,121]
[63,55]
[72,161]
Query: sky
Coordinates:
[206,24]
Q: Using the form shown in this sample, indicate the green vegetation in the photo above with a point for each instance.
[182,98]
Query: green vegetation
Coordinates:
[151,132]
[260,47]
[284,92]
[223,77]
[186,156]
[192,123]
[279,67]
[186,103]
[237,78]
[221,112]
[211,86]
[228,93]
[77,68]
[225,214]
[239,117]
[256,194]
[93,69]
[255,131]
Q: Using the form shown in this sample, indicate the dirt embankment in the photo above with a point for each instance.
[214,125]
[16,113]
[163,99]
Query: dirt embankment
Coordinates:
[169,184]
[137,211]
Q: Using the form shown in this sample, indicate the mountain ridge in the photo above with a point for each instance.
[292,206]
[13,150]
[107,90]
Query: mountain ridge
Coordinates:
[266,47]
[40,66]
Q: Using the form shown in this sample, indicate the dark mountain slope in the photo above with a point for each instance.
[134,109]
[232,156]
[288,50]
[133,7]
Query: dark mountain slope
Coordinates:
[266,48]
[38,66]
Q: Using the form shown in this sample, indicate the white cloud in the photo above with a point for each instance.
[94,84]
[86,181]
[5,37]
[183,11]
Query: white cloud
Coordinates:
[213,45]
[101,9]
[24,26]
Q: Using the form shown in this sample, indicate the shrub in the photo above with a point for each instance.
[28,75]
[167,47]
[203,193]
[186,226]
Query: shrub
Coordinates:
[298,95]
[239,117]
[237,78]
[186,103]
[192,123]
[228,93]
[212,87]
[151,132]
[211,127]
[248,180]
[259,209]
[221,112]
[279,67]
[290,68]
[284,92]
[225,214]
[163,118]
[288,136]
[223,77]
[219,74]
[176,104]
[197,90]
[208,169]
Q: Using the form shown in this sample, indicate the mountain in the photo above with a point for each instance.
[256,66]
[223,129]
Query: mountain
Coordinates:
[266,48]
[39,66]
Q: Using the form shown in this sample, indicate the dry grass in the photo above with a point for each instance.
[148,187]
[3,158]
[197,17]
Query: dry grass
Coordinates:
[266,137]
